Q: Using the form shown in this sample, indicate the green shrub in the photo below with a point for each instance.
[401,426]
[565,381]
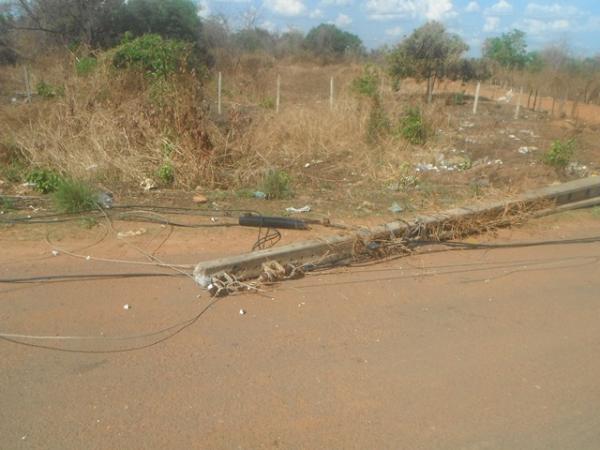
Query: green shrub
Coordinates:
[368,83]
[267,103]
[458,98]
[151,54]
[86,65]
[44,180]
[73,196]
[560,153]
[166,173]
[412,127]
[277,184]
[6,204]
[46,90]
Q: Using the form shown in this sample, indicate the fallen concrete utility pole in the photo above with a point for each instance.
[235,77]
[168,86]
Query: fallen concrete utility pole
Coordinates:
[331,249]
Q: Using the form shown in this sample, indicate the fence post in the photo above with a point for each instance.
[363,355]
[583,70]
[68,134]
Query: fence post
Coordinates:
[278,96]
[27,85]
[475,103]
[219,87]
[331,93]
[518,108]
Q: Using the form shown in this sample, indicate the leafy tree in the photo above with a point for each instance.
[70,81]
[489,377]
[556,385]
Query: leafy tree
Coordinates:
[426,54]
[508,51]
[172,19]
[8,55]
[329,40]
[254,39]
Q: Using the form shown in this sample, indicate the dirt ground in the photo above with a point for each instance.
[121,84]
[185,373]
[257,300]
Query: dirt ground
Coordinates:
[473,349]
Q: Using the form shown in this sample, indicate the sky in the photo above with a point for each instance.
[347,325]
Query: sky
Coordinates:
[379,22]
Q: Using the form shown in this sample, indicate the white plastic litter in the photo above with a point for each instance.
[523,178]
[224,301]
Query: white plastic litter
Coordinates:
[304,209]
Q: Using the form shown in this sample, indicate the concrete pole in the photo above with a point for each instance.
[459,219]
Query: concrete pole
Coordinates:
[476,102]
[518,108]
[219,87]
[278,96]
[331,94]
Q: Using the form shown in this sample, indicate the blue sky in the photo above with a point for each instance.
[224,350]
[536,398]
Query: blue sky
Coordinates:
[378,22]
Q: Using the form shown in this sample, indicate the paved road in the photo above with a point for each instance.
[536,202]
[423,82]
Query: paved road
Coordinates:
[464,350]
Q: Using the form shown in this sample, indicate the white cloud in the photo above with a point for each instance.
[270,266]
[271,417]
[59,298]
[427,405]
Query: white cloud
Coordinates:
[289,8]
[502,7]
[336,2]
[316,14]
[538,27]
[398,9]
[472,7]
[554,10]
[394,32]
[491,24]
[203,8]
[269,26]
[342,20]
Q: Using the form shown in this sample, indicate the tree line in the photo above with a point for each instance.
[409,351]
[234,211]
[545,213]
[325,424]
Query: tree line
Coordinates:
[430,53]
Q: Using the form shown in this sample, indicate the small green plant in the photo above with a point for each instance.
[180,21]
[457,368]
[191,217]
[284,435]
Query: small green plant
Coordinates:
[596,212]
[412,127]
[44,180]
[46,90]
[166,173]
[560,153]
[458,98]
[73,196]
[6,204]
[367,84]
[277,184]
[151,54]
[86,65]
[267,103]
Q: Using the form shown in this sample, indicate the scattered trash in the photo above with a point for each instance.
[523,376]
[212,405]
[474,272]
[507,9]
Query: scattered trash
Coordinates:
[526,150]
[131,233]
[577,169]
[366,206]
[88,258]
[485,161]
[126,306]
[313,162]
[214,219]
[91,167]
[242,312]
[467,124]
[512,136]
[304,209]
[55,253]
[200,199]
[260,195]
[506,98]
[426,167]
[105,199]
[148,184]
[396,208]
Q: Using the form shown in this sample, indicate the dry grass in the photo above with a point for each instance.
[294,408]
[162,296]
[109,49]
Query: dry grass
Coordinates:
[116,127]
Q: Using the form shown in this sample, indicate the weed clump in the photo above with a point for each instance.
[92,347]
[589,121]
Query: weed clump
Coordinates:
[368,83]
[86,65]
[412,127]
[73,196]
[151,54]
[166,173]
[46,90]
[44,180]
[560,153]
[277,185]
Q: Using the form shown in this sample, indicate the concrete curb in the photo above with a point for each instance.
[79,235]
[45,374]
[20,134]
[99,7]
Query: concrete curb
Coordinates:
[336,248]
